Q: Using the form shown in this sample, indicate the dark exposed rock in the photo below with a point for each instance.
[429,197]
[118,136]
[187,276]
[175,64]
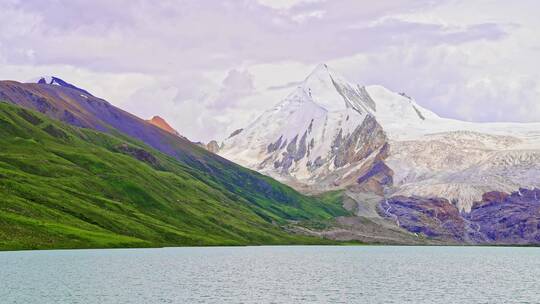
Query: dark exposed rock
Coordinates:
[291,147]
[405,95]
[55,132]
[60,82]
[500,218]
[139,154]
[508,218]
[236,132]
[316,164]
[432,217]
[419,113]
[310,126]
[274,146]
[288,156]
[375,183]
[71,119]
[31,118]
[319,161]
[366,138]
[375,176]
[295,151]
[381,172]
[43,105]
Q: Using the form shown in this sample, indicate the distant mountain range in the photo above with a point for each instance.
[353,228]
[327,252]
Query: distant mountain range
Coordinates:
[330,134]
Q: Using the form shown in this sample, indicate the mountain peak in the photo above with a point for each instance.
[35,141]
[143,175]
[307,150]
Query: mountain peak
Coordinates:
[162,124]
[327,89]
[322,71]
[333,93]
[53,80]
[321,68]
[45,80]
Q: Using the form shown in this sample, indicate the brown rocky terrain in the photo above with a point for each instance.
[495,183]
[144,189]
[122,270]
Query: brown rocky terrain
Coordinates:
[499,218]
[162,124]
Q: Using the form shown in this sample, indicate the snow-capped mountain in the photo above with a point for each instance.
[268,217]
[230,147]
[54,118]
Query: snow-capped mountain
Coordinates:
[330,134]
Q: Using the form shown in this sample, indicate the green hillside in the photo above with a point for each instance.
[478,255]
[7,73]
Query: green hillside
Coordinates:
[68,187]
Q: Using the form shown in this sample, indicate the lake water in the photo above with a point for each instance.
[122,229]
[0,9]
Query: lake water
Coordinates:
[273,275]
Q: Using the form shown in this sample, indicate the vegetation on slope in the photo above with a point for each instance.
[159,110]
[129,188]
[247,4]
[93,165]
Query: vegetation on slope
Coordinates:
[69,187]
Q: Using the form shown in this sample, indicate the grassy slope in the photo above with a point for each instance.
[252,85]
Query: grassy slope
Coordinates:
[333,199]
[66,187]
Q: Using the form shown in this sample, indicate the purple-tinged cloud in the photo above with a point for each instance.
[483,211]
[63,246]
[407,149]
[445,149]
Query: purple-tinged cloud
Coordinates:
[236,85]
[207,65]
[157,37]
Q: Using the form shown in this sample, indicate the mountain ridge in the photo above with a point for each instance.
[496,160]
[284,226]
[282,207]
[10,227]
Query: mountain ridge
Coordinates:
[269,201]
[53,80]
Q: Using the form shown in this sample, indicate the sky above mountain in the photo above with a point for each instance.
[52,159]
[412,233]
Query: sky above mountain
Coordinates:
[210,67]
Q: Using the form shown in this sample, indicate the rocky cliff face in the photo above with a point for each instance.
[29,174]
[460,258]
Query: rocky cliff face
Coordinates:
[507,218]
[499,218]
[430,217]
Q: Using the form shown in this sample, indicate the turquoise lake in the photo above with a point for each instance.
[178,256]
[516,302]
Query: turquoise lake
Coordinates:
[288,274]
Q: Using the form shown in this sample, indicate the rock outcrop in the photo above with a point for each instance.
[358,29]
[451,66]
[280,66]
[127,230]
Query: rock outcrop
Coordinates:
[139,154]
[162,124]
[212,146]
[502,218]
[499,218]
[432,217]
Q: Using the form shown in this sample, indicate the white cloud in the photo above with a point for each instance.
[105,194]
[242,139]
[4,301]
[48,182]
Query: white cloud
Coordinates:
[284,4]
[210,68]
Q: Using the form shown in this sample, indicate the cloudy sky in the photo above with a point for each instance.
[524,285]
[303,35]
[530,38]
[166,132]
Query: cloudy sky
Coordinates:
[210,67]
